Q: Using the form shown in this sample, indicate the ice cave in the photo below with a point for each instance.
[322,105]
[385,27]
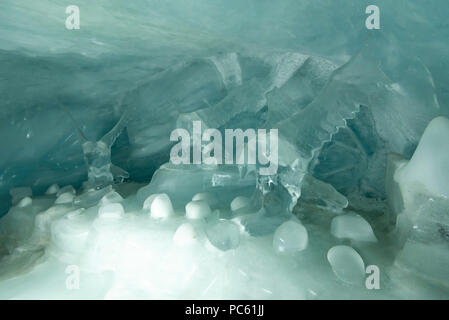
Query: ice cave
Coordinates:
[225,149]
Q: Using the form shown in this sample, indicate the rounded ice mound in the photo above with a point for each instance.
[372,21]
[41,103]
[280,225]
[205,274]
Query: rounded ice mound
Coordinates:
[239,203]
[352,226]
[53,189]
[290,237]
[25,202]
[66,189]
[74,214]
[185,235]
[111,211]
[223,234]
[111,197]
[205,196]
[198,209]
[70,233]
[19,193]
[347,264]
[161,207]
[66,197]
[148,201]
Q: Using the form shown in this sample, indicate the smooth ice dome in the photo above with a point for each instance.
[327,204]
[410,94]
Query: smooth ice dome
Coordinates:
[352,226]
[198,209]
[148,201]
[347,264]
[18,194]
[111,210]
[53,189]
[66,197]
[205,196]
[111,197]
[290,237]
[161,207]
[69,234]
[223,234]
[185,235]
[239,203]
[66,189]
[27,201]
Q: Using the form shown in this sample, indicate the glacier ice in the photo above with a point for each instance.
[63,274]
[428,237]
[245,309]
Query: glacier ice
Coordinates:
[290,237]
[347,264]
[197,209]
[65,197]
[18,194]
[239,203]
[223,234]
[352,226]
[207,197]
[419,188]
[66,189]
[428,166]
[111,211]
[185,235]
[111,197]
[161,206]
[25,202]
[54,188]
[86,182]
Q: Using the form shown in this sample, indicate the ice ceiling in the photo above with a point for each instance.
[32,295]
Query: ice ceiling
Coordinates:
[363,149]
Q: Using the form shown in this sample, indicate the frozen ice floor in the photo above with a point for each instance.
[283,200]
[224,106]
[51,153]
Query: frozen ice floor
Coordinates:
[117,249]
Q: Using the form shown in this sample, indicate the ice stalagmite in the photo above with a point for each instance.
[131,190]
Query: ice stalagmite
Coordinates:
[422,224]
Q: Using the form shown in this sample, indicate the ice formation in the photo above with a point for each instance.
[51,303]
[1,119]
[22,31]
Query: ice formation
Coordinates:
[161,206]
[111,210]
[420,204]
[352,226]
[197,209]
[223,234]
[347,264]
[362,182]
[290,237]
[185,235]
[239,203]
[53,189]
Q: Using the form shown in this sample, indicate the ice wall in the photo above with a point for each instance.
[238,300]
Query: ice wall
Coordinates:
[85,109]
[157,58]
